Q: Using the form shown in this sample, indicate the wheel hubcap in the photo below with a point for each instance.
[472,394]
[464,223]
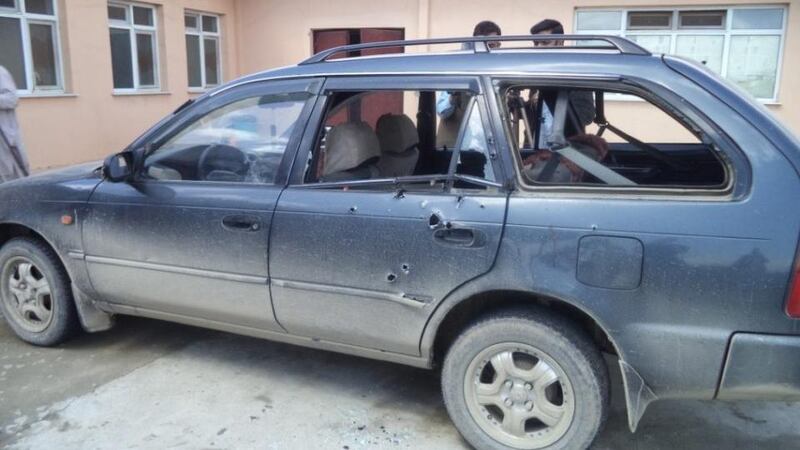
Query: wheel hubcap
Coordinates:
[27,294]
[519,395]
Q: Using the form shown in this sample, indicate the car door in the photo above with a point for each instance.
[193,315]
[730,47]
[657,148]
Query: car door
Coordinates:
[189,237]
[364,262]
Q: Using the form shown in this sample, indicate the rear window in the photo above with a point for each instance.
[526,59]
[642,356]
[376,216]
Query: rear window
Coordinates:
[586,137]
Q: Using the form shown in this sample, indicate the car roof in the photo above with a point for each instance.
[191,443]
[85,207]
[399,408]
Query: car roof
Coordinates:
[576,61]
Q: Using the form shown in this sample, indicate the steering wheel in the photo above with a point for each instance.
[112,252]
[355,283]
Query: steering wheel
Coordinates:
[220,162]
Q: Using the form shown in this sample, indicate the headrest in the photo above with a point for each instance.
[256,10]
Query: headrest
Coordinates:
[348,145]
[396,133]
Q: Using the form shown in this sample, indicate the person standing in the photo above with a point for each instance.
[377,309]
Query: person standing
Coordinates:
[450,106]
[13,161]
[581,102]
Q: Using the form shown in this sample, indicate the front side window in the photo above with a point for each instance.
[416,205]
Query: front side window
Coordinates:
[29,44]
[134,46]
[743,43]
[572,137]
[203,58]
[417,139]
[243,141]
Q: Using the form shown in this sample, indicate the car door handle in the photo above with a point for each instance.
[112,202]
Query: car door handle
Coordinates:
[460,237]
[241,223]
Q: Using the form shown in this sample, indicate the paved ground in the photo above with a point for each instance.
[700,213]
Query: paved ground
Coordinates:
[150,384]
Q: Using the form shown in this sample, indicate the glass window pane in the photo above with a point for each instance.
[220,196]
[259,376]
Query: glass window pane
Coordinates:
[11,56]
[474,154]
[753,63]
[193,60]
[121,58]
[142,16]
[246,140]
[44,55]
[702,48]
[758,19]
[656,43]
[190,21]
[211,61]
[146,59]
[118,13]
[210,24]
[649,20]
[39,6]
[7,4]
[599,20]
[702,19]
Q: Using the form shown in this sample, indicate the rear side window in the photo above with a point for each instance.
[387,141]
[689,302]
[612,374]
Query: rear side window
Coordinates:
[577,137]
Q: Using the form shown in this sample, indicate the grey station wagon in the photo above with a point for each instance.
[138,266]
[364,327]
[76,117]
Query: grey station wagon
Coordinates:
[493,211]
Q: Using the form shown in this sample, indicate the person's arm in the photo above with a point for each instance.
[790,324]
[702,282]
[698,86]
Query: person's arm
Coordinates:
[444,104]
[8,91]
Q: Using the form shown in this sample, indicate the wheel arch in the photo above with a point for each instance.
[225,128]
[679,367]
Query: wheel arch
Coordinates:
[11,230]
[450,319]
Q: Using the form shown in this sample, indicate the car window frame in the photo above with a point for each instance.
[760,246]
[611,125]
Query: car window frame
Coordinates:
[735,163]
[358,83]
[206,104]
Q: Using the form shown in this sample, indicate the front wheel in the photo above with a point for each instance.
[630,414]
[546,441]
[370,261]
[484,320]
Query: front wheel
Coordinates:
[35,295]
[525,379]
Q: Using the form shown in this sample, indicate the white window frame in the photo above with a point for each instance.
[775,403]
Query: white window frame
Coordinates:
[25,18]
[133,29]
[726,32]
[201,34]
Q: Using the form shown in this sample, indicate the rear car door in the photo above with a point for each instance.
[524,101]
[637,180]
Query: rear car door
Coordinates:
[189,237]
[364,261]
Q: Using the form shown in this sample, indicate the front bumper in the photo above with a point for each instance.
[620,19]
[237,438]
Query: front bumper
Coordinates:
[761,367]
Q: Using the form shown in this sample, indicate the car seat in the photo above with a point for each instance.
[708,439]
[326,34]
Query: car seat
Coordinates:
[352,149]
[398,140]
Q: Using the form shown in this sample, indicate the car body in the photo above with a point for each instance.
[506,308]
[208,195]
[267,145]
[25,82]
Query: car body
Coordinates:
[688,287]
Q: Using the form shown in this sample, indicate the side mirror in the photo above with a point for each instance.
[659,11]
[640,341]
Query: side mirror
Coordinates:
[118,167]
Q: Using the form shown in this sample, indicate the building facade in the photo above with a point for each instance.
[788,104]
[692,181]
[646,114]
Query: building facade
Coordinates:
[94,74]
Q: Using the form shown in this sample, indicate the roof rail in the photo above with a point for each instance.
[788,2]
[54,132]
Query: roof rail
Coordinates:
[621,44]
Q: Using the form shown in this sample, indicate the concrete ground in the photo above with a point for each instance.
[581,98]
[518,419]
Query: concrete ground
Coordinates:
[149,384]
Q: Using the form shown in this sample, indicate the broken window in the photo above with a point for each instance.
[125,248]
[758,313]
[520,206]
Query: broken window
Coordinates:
[417,139]
[571,136]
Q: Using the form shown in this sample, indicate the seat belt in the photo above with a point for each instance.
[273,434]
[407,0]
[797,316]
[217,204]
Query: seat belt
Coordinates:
[561,147]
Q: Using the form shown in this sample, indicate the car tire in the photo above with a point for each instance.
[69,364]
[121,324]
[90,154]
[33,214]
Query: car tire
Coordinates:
[35,294]
[567,413]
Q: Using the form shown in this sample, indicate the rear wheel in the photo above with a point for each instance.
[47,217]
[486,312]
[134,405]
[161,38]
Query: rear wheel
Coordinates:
[35,294]
[525,380]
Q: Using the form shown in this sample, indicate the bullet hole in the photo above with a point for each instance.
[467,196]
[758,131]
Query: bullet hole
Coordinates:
[406,268]
[353,209]
[391,277]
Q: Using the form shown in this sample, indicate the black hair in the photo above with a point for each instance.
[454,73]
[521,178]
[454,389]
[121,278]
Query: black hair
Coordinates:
[485,28]
[551,25]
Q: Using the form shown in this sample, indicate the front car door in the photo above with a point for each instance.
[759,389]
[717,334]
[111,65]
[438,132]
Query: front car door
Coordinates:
[189,237]
[364,260]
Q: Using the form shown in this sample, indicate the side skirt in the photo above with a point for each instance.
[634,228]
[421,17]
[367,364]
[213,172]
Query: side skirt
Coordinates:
[416,361]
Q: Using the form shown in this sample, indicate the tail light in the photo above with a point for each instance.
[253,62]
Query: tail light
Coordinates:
[793,307]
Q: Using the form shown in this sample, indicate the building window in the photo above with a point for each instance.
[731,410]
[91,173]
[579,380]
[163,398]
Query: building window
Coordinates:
[203,50]
[134,48]
[29,44]
[743,44]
